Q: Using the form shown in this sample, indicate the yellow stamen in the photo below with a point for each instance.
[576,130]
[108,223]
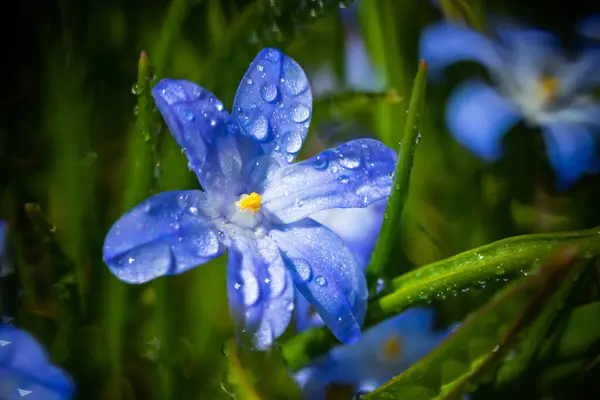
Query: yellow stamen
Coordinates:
[391,348]
[250,202]
[549,86]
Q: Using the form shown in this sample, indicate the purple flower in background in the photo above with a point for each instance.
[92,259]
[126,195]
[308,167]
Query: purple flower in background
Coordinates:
[26,371]
[533,81]
[382,352]
[257,203]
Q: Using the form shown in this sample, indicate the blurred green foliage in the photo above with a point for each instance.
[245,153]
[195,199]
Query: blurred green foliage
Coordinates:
[80,143]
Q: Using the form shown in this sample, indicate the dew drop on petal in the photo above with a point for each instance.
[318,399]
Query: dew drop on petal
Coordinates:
[260,128]
[343,179]
[350,161]
[268,92]
[300,113]
[272,55]
[303,268]
[321,162]
[249,81]
[321,281]
[292,142]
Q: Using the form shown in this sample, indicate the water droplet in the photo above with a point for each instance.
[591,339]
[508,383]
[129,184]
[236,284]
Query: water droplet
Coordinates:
[269,93]
[260,129]
[188,115]
[321,162]
[249,81]
[250,288]
[300,113]
[304,270]
[193,210]
[291,306]
[292,142]
[350,161]
[136,110]
[397,186]
[343,179]
[321,281]
[136,89]
[385,215]
[418,138]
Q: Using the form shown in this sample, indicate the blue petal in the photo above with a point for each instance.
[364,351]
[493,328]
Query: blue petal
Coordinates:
[273,105]
[358,227]
[478,117]
[167,234]
[327,274]
[582,75]
[25,365]
[446,43]
[354,174]
[590,27]
[204,130]
[305,319]
[260,291]
[571,151]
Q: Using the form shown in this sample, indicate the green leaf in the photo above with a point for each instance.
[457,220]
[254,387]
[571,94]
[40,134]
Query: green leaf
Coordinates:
[255,375]
[461,11]
[390,229]
[473,362]
[506,258]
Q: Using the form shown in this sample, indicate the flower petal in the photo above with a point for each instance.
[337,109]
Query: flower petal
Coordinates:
[273,105]
[204,130]
[354,174]
[446,43]
[478,117]
[571,151]
[582,75]
[305,319]
[358,227]
[260,291]
[167,234]
[25,366]
[327,274]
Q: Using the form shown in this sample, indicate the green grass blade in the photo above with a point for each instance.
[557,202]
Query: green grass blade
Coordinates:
[390,229]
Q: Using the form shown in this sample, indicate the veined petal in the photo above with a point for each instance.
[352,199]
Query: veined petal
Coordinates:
[358,227]
[354,174]
[273,106]
[571,151]
[446,43]
[327,274]
[25,366]
[165,235]
[260,291]
[204,130]
[478,117]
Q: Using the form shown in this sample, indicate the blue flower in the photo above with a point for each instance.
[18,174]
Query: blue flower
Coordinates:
[26,371]
[382,352]
[257,203]
[534,82]
[589,27]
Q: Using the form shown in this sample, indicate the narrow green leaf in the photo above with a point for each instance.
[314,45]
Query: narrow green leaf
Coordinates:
[390,229]
[461,11]
[507,257]
[503,258]
[527,296]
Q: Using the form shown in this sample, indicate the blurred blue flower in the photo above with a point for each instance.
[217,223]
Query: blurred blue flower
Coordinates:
[256,202]
[26,371]
[589,27]
[534,82]
[382,352]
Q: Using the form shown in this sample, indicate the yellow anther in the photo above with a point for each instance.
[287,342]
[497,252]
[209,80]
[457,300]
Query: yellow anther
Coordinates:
[391,348]
[250,202]
[549,86]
